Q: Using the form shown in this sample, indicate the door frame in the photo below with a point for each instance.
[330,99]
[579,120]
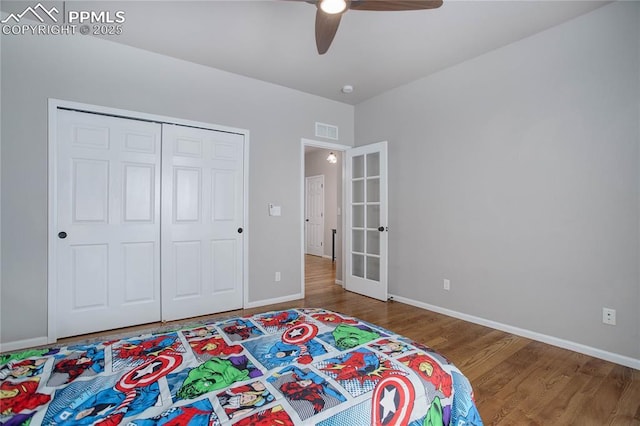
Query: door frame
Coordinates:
[52,272]
[306,194]
[334,147]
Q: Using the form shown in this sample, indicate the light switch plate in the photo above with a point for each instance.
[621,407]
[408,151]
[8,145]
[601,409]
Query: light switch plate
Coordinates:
[275,210]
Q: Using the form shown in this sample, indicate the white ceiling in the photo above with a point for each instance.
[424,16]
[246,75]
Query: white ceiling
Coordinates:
[373,51]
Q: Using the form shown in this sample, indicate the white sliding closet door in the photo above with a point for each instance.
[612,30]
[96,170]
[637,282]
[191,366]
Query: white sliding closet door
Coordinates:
[107,235]
[202,220]
[147,222]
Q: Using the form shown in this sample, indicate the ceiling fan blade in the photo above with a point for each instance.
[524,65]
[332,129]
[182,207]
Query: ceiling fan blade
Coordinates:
[393,5]
[326,27]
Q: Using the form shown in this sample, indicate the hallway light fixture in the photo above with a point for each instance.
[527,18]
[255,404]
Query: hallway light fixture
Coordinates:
[332,158]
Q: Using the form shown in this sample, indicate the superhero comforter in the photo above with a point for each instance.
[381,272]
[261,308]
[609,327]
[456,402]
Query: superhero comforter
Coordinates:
[298,366]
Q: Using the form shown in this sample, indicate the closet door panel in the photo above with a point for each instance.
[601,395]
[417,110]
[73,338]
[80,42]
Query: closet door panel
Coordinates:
[107,222]
[202,207]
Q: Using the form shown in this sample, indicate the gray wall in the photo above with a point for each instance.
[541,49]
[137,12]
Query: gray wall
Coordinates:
[93,71]
[516,176]
[316,164]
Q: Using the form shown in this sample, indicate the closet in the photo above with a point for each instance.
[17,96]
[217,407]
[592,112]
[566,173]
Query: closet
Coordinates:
[148,221]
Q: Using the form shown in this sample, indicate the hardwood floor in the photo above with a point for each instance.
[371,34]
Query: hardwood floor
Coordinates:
[517,381]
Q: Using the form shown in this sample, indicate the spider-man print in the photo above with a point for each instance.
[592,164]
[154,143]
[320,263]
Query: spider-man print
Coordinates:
[275,416]
[279,320]
[306,386]
[143,348]
[91,359]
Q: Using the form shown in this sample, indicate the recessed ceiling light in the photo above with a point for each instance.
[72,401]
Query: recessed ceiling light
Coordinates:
[347,88]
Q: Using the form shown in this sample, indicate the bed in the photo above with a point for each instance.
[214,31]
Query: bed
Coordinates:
[307,366]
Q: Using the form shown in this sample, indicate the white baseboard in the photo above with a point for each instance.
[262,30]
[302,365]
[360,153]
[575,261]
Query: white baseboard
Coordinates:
[554,341]
[339,282]
[327,257]
[23,344]
[264,302]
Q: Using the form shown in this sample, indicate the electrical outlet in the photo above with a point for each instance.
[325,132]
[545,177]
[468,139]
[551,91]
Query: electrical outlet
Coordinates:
[447,284]
[609,316]
[277,278]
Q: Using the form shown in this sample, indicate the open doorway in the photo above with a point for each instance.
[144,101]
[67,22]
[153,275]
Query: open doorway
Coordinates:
[328,259]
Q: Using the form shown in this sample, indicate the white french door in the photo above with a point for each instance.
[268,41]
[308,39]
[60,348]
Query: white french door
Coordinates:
[366,220]
[147,222]
[314,215]
[202,220]
[107,236]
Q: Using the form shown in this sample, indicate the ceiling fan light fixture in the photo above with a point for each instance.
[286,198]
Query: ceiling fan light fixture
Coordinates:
[329,13]
[333,7]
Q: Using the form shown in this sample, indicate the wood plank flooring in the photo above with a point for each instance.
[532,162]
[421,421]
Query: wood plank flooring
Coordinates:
[517,381]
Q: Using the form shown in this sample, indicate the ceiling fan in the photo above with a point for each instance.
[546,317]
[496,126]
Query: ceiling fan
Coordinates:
[330,12]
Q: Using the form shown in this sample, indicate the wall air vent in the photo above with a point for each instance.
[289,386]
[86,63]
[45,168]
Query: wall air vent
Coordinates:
[326,131]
